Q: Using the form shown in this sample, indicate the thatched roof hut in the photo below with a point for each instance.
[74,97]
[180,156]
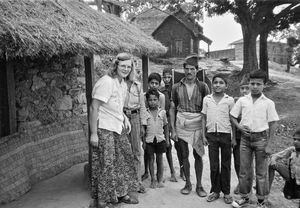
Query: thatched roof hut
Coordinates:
[32,28]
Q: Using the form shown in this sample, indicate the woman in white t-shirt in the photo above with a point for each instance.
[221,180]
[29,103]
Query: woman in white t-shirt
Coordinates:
[113,173]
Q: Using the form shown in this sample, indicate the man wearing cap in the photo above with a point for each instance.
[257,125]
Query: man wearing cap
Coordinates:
[186,105]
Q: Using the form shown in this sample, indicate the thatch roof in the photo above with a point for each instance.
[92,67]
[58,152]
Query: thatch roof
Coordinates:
[53,27]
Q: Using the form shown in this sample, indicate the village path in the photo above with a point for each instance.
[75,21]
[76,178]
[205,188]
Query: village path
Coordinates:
[69,190]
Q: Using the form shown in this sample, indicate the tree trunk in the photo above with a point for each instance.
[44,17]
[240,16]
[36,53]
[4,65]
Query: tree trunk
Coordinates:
[263,53]
[250,57]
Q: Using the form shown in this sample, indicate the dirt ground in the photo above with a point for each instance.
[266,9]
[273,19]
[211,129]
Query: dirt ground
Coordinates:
[69,190]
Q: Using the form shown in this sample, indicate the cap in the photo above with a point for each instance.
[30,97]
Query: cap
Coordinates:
[191,60]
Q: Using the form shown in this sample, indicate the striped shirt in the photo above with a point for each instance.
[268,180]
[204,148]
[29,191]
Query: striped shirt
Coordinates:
[217,114]
[182,101]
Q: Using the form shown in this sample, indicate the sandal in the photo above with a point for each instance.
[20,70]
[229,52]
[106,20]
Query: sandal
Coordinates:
[129,200]
[228,199]
[212,197]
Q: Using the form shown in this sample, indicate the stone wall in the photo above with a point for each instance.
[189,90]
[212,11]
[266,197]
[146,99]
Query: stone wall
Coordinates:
[39,153]
[48,91]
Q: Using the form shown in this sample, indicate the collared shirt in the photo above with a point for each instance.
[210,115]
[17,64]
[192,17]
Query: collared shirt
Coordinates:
[155,126]
[135,98]
[182,101]
[257,115]
[112,93]
[217,114]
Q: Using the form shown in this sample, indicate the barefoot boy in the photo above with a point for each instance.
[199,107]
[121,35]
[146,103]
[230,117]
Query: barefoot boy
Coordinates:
[166,90]
[154,81]
[157,138]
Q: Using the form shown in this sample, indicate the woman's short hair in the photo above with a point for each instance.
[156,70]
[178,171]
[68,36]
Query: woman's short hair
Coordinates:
[122,57]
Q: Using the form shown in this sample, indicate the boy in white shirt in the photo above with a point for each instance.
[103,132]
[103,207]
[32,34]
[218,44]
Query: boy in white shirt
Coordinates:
[258,124]
[217,129]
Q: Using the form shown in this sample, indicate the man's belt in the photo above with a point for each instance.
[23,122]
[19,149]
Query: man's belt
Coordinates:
[131,112]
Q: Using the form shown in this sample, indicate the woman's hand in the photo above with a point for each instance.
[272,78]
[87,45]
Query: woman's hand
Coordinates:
[127,125]
[94,140]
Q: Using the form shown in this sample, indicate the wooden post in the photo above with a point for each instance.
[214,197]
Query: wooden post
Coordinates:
[11,95]
[145,69]
[208,55]
[89,83]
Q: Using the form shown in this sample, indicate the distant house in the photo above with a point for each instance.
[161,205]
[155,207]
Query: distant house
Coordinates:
[179,32]
[276,51]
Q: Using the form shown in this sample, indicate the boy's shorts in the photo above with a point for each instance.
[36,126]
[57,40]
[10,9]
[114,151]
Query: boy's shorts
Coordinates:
[155,147]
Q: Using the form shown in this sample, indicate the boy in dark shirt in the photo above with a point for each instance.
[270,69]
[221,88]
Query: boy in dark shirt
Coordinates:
[166,90]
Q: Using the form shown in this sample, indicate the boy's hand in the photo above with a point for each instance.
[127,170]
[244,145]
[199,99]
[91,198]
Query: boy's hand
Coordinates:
[174,135]
[244,129]
[94,140]
[205,142]
[233,143]
[268,150]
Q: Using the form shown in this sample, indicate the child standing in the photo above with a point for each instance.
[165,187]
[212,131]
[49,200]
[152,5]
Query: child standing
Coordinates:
[157,137]
[154,81]
[244,90]
[216,122]
[258,124]
[166,90]
[287,164]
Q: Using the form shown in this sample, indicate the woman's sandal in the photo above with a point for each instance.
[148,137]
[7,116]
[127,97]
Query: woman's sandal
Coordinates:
[129,200]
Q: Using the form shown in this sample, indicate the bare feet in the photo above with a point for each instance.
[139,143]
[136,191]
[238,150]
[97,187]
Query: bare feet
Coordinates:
[153,185]
[145,176]
[173,178]
[160,185]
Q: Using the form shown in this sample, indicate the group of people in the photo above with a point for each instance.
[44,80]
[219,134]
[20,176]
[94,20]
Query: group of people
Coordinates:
[123,120]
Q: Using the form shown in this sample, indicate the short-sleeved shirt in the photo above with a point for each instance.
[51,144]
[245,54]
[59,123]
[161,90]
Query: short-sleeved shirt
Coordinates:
[217,114]
[182,101]
[257,115]
[112,93]
[135,98]
[155,126]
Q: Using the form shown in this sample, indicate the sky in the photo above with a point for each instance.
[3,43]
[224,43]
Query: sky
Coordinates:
[222,30]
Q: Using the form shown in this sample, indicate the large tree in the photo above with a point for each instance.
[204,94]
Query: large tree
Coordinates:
[257,17]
